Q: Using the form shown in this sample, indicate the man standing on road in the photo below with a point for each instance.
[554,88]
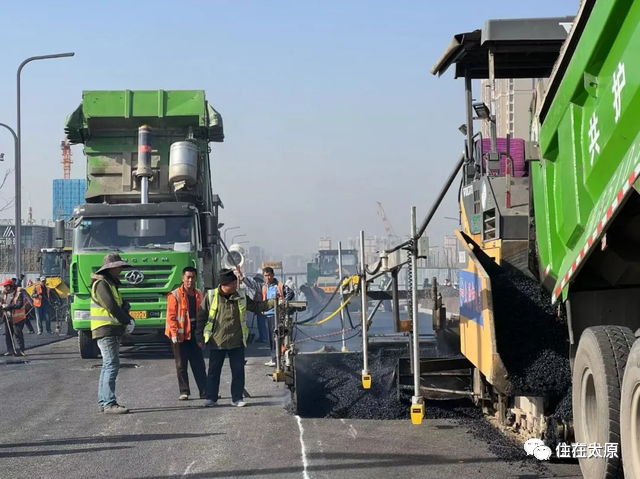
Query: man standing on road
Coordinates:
[182,309]
[270,290]
[222,324]
[110,320]
[14,316]
[41,295]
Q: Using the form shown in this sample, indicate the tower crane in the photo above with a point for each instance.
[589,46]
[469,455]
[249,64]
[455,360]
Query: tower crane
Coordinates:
[387,226]
[66,158]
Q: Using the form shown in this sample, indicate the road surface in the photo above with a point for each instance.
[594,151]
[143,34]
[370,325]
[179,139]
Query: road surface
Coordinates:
[50,428]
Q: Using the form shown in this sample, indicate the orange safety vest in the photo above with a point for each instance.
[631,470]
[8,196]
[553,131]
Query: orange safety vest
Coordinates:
[178,322]
[18,315]
[37,302]
[280,291]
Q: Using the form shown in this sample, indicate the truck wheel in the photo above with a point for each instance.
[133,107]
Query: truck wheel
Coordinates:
[630,414]
[597,378]
[88,346]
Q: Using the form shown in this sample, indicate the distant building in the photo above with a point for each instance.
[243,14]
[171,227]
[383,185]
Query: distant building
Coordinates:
[512,102]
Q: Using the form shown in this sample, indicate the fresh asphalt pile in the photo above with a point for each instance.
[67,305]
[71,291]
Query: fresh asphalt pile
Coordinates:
[329,385]
[532,340]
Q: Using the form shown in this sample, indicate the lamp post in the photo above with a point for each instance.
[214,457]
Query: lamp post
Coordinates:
[224,235]
[243,242]
[233,240]
[15,156]
[18,167]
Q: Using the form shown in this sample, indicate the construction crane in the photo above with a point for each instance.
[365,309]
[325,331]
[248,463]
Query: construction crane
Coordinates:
[391,236]
[66,158]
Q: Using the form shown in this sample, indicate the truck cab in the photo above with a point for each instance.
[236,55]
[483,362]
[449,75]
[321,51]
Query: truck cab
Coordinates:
[157,240]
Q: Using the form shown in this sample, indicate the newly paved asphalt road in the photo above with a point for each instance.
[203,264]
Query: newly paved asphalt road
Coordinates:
[50,428]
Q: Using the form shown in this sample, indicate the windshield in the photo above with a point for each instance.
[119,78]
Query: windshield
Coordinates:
[130,234]
[52,264]
[328,264]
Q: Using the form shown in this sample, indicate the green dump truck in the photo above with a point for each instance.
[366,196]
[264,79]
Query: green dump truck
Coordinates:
[149,197]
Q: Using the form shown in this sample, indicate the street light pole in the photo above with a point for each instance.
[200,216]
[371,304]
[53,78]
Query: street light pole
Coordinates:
[15,156]
[233,240]
[18,167]
[224,235]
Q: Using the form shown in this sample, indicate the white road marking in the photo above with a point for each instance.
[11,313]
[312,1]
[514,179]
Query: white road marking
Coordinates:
[303,450]
[186,471]
[352,431]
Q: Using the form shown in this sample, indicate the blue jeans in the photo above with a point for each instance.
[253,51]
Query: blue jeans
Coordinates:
[110,350]
[42,313]
[263,332]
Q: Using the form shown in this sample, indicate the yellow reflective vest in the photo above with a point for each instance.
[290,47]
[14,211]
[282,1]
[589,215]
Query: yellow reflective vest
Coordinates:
[99,315]
[213,309]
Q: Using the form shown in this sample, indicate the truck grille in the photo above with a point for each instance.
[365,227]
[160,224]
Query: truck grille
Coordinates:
[155,276]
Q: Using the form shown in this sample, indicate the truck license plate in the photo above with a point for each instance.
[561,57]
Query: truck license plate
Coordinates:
[138,314]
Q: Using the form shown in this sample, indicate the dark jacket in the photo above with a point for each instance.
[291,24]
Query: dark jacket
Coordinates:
[106,300]
[227,329]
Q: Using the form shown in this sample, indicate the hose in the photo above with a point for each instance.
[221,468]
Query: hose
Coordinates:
[331,316]
[333,295]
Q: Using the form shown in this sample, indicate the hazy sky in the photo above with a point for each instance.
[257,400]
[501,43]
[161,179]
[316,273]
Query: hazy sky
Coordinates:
[328,106]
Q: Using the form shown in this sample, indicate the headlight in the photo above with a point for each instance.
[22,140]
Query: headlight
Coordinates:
[81,314]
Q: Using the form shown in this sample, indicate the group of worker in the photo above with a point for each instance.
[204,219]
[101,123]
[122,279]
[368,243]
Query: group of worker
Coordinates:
[16,304]
[194,321]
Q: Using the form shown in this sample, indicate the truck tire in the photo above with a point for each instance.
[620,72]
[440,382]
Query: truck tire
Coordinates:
[597,378]
[630,414]
[88,346]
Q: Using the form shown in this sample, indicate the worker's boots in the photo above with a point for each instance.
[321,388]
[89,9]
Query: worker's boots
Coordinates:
[114,409]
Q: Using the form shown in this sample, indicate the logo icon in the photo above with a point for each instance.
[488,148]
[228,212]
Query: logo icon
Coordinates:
[536,448]
[134,277]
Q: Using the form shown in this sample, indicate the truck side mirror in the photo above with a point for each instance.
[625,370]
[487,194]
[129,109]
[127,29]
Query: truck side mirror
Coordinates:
[210,224]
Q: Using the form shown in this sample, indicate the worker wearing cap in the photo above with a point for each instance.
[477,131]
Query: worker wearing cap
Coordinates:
[182,309]
[222,325]
[41,301]
[110,320]
[270,290]
[14,316]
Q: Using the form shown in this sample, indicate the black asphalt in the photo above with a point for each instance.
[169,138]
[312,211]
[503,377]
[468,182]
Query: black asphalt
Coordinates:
[50,428]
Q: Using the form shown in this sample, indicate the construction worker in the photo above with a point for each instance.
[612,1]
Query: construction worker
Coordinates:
[270,290]
[182,309]
[222,325]
[110,320]
[41,301]
[27,304]
[14,315]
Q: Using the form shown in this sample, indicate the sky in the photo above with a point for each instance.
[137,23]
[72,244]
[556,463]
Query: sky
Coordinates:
[328,107]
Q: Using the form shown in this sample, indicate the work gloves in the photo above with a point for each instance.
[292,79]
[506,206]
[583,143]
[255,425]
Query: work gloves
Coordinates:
[130,327]
[174,340]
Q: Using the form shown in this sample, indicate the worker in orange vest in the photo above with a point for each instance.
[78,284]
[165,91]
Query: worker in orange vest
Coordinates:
[14,315]
[182,307]
[41,301]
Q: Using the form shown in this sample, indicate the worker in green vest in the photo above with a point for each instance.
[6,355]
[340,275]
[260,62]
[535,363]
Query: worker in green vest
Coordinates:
[222,325]
[110,320]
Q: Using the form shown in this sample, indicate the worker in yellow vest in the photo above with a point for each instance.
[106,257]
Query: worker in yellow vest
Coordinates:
[222,325]
[14,314]
[110,320]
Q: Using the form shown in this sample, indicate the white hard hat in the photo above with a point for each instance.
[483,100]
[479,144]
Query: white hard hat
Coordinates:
[42,278]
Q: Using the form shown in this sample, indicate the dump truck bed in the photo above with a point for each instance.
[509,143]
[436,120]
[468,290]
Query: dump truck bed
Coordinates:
[589,136]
